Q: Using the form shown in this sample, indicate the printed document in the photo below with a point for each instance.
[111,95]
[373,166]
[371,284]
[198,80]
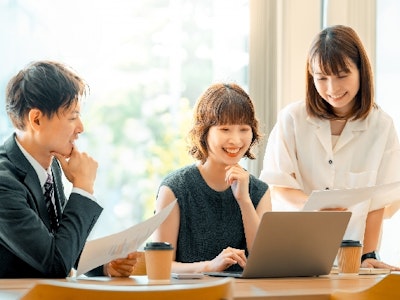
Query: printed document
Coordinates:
[346,198]
[103,250]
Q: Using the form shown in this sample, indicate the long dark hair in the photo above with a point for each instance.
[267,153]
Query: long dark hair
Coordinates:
[332,49]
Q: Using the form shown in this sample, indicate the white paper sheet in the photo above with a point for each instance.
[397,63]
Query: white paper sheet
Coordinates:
[346,198]
[100,251]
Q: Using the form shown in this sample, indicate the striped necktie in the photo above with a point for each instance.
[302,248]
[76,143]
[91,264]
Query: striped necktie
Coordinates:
[51,208]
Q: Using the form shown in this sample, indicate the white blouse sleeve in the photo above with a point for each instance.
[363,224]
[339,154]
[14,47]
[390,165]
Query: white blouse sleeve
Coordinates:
[389,170]
[280,164]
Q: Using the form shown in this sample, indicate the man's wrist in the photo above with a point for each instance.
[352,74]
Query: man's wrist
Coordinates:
[367,255]
[83,193]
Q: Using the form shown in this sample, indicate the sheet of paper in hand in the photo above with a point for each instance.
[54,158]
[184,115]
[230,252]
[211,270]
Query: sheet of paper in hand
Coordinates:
[100,251]
[346,198]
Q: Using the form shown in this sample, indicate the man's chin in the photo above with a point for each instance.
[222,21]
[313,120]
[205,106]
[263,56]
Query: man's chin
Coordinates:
[64,153]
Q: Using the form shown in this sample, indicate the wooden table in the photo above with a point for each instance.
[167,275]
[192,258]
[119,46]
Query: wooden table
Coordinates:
[245,289]
[301,288]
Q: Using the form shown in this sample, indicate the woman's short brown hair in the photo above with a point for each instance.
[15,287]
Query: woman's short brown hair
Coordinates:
[221,104]
[332,49]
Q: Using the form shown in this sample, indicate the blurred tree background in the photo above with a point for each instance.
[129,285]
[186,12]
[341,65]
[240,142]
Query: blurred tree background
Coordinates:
[147,62]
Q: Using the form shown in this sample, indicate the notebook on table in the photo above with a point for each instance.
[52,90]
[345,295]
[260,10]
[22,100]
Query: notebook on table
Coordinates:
[294,244]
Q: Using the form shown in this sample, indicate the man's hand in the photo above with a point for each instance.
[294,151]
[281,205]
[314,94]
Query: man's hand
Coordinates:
[121,267]
[80,169]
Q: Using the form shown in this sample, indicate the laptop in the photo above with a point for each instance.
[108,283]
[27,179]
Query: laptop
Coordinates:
[294,244]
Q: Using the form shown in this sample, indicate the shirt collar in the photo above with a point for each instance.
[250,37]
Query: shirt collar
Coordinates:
[40,171]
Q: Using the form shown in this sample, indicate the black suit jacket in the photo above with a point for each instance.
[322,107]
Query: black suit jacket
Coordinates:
[27,246]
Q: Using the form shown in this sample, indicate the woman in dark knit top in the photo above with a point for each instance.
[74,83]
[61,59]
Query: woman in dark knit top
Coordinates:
[219,203]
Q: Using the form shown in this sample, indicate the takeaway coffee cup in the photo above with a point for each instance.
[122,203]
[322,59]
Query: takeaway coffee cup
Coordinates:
[158,256]
[349,257]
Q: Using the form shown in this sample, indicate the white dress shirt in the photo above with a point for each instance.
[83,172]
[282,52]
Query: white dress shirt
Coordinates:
[367,153]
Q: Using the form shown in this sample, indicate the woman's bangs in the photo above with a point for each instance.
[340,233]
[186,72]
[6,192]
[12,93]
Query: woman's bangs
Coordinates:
[234,111]
[332,63]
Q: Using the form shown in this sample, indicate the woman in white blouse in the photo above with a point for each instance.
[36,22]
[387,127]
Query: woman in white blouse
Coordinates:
[337,138]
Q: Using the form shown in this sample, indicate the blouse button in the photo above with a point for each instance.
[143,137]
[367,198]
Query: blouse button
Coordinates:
[330,161]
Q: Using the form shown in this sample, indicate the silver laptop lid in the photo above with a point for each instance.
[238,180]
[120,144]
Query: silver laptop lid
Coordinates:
[292,244]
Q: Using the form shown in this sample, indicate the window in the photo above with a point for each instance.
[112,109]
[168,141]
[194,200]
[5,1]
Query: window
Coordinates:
[146,63]
[387,81]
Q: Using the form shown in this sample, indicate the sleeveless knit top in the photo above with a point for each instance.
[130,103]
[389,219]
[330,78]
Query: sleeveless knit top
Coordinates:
[210,221]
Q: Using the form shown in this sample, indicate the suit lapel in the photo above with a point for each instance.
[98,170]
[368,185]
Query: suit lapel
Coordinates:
[32,183]
[29,177]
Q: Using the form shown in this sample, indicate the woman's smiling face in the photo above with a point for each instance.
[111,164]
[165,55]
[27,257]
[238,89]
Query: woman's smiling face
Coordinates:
[338,90]
[229,143]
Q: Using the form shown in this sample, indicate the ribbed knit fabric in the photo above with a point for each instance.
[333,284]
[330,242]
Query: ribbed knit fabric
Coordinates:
[209,220]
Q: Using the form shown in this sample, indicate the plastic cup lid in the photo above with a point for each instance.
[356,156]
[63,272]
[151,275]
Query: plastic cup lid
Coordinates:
[158,246]
[350,243]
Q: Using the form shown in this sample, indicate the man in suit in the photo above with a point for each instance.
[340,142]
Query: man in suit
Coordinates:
[43,233]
